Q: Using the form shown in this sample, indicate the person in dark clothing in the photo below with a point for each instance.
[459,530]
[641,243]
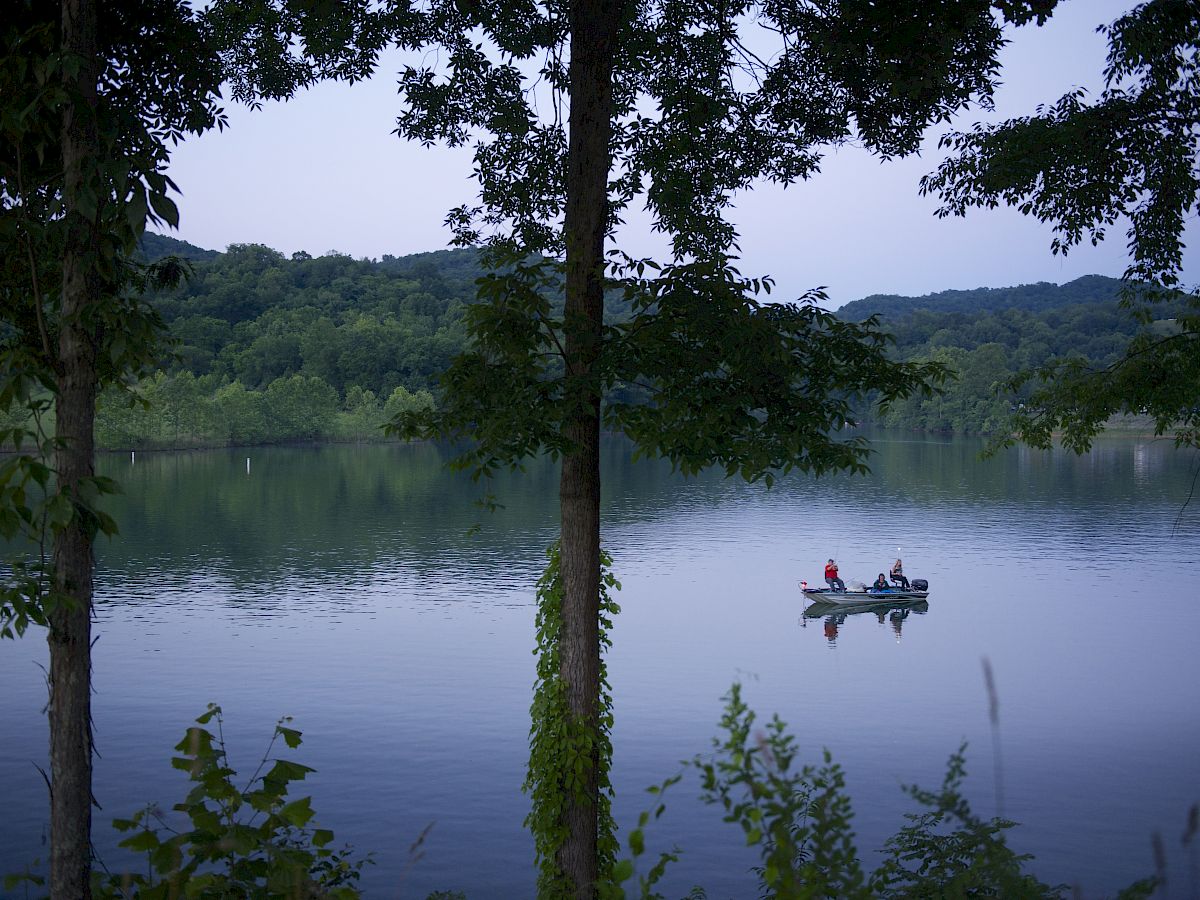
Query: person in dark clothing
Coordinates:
[880,585]
[897,574]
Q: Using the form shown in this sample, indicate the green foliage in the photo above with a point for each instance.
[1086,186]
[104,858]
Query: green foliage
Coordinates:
[300,407]
[716,377]
[251,315]
[153,246]
[564,748]
[988,350]
[800,819]
[950,846]
[122,186]
[270,50]
[686,90]
[25,513]
[756,388]
[624,870]
[34,510]
[136,120]
[240,412]
[1130,152]
[328,318]
[1034,324]
[701,374]
[694,341]
[401,401]
[181,410]
[240,841]
[1157,376]
[1081,165]
[1034,298]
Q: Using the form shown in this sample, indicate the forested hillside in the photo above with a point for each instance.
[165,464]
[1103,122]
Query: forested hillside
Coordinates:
[156,246]
[1040,297]
[252,315]
[985,349]
[271,348]
[282,348]
[987,336]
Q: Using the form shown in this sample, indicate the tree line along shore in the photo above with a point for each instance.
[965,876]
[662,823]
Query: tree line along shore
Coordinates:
[271,349]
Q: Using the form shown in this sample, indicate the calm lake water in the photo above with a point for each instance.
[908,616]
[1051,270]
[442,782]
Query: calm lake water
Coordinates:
[341,586]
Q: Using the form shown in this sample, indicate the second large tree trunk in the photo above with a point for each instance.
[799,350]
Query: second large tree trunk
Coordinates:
[594,25]
[70,623]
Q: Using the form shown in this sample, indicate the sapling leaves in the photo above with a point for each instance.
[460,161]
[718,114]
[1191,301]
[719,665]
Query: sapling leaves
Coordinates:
[800,819]
[251,841]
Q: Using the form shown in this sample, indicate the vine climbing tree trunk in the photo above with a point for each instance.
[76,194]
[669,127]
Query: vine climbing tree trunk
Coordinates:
[70,620]
[594,25]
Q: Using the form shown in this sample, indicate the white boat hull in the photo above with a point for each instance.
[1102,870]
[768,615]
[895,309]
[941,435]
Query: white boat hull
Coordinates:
[863,598]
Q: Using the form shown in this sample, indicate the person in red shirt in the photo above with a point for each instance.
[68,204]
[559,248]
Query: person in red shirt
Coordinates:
[831,577]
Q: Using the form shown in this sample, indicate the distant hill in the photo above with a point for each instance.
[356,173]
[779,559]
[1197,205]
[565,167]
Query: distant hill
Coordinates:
[156,246]
[253,315]
[255,330]
[1036,298]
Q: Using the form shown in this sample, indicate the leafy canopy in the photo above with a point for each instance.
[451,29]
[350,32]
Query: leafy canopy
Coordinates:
[1083,165]
[145,101]
[708,98]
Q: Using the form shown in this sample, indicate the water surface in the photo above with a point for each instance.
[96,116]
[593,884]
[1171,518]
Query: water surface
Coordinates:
[343,586]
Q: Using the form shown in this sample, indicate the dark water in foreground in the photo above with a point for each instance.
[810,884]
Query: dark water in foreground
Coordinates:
[339,585]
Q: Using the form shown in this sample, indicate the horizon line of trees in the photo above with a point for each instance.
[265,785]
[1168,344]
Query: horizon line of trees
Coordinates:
[987,350]
[250,316]
[179,411]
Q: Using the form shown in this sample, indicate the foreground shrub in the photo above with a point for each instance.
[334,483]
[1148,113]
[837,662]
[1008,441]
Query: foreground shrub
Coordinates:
[250,842]
[255,842]
[800,819]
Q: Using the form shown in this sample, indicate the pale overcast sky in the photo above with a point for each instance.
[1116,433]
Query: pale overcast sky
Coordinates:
[323,172]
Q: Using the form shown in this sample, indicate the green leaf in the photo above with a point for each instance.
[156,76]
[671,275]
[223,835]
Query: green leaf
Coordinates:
[622,870]
[141,842]
[13,879]
[165,208]
[298,812]
[284,771]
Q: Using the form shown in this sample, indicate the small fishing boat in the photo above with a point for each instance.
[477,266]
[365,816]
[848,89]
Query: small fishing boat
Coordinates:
[918,590]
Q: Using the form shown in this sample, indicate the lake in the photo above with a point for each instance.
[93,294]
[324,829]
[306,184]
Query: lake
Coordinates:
[348,586]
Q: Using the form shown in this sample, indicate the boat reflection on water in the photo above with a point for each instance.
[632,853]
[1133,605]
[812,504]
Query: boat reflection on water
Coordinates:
[893,614]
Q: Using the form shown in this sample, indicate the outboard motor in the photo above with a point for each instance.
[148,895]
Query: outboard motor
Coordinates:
[920,584]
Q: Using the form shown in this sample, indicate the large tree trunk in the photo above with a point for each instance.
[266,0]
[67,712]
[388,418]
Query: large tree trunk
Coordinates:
[70,622]
[594,25]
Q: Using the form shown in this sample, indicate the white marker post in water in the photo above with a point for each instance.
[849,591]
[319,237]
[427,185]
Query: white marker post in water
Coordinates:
[247,465]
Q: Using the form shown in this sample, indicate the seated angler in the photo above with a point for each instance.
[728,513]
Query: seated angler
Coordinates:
[897,573]
[880,585]
[831,577]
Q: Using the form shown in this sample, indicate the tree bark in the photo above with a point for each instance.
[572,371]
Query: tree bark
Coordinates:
[594,25]
[70,622]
